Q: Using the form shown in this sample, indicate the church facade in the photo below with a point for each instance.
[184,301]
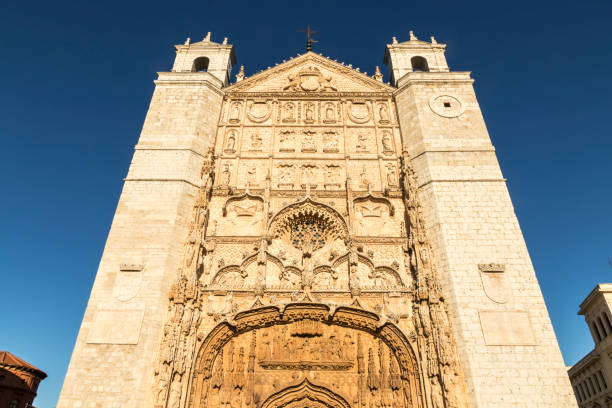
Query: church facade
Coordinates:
[310,236]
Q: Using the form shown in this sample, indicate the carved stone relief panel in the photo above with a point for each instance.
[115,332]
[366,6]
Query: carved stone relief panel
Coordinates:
[362,140]
[332,176]
[305,364]
[252,173]
[256,140]
[285,175]
[286,140]
[242,217]
[331,141]
[373,218]
[309,174]
[365,173]
[309,139]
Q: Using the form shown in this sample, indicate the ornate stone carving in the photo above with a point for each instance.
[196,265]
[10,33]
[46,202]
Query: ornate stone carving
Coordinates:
[329,113]
[256,142]
[230,141]
[306,337]
[286,176]
[387,142]
[359,112]
[391,175]
[362,144]
[289,112]
[308,176]
[330,141]
[430,316]
[309,79]
[235,111]
[309,112]
[258,112]
[383,113]
[332,177]
[287,141]
[308,142]
[226,174]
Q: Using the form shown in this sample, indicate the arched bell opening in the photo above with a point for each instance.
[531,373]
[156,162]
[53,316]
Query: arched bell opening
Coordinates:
[346,350]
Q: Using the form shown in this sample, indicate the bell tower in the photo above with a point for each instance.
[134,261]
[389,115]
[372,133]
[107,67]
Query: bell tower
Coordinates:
[206,56]
[414,55]
[493,296]
[123,321]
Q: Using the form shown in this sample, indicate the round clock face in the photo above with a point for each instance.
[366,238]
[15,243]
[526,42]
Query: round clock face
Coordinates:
[446,106]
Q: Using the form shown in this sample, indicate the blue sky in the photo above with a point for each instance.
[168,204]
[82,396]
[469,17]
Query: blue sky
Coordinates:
[76,80]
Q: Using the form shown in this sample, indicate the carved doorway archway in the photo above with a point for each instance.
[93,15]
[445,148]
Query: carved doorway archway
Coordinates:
[305,395]
[256,359]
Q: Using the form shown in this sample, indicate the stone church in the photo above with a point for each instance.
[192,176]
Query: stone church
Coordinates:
[311,236]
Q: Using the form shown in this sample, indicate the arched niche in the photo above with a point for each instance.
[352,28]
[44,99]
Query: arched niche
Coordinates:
[344,355]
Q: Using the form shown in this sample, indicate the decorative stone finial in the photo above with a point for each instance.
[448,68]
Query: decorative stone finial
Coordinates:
[357,69]
[433,40]
[240,74]
[187,41]
[378,75]
[394,40]
[350,65]
[412,36]
[207,38]
[225,40]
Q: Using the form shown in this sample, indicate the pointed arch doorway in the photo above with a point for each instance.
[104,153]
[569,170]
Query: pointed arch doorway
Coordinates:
[305,395]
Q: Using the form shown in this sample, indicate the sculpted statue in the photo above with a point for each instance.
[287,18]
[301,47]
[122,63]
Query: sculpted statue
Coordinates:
[391,178]
[286,141]
[256,142]
[362,143]
[330,115]
[309,116]
[235,115]
[386,141]
[384,113]
[227,174]
[308,143]
[289,112]
[231,141]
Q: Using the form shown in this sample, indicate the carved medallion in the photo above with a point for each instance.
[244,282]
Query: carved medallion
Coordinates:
[258,111]
[446,106]
[359,112]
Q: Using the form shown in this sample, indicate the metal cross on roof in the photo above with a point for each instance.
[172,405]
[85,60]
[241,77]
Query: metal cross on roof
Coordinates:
[308,31]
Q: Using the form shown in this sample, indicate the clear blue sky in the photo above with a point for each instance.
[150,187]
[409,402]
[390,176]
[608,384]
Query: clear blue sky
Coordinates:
[76,79]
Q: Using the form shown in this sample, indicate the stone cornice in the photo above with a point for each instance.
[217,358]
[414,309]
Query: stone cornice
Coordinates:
[190,79]
[585,362]
[435,78]
[310,96]
[599,289]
